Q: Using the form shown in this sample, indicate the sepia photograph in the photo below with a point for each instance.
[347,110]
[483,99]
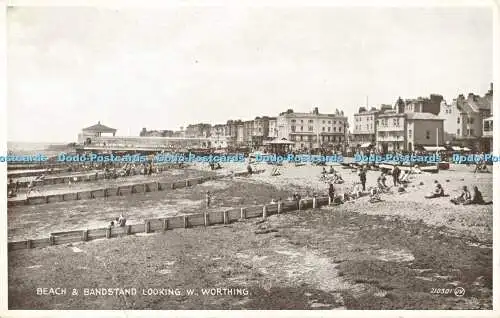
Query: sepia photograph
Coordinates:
[244,157]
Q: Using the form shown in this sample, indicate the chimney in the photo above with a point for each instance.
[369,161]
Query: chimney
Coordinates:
[316,111]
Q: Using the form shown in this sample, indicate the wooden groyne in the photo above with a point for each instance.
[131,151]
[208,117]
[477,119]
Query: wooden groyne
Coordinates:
[87,177]
[121,190]
[169,223]
[74,168]
[34,173]
[35,166]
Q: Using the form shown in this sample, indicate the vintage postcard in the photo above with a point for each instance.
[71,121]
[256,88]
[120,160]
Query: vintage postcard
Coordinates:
[302,156]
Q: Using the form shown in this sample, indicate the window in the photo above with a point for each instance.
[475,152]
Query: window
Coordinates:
[309,138]
[301,128]
[301,121]
[395,122]
[260,129]
[310,128]
[334,122]
[334,129]
[409,133]
[329,129]
[323,128]
[472,132]
[293,120]
[329,122]
[471,120]
[340,129]
[323,121]
[458,120]
[458,131]
[427,134]
[367,126]
[301,138]
[311,121]
[292,138]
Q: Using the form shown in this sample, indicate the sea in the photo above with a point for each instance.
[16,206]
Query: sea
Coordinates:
[48,149]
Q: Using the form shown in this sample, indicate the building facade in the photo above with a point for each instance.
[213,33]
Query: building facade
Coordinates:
[391,132]
[423,129]
[260,131]
[313,130]
[198,130]
[408,131]
[156,133]
[364,127]
[219,130]
[430,105]
[488,133]
[273,128]
[464,120]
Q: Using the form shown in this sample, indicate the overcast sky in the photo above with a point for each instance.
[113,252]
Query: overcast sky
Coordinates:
[163,68]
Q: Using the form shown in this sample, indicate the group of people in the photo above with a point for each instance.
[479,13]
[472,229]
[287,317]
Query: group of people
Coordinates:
[119,221]
[465,197]
[336,178]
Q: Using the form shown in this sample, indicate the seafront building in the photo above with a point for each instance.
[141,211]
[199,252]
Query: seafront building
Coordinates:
[408,125]
[464,120]
[96,130]
[411,125]
[488,134]
[313,130]
[273,128]
[364,127]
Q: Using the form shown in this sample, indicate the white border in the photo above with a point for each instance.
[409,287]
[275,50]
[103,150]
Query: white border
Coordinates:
[159,3]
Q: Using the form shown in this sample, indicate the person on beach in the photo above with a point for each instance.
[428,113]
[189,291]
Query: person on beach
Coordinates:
[122,220]
[374,195]
[357,191]
[395,175]
[416,170]
[362,178]
[296,197]
[332,170]
[381,182]
[331,192]
[464,198]
[31,188]
[207,199]
[481,167]
[405,178]
[437,192]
